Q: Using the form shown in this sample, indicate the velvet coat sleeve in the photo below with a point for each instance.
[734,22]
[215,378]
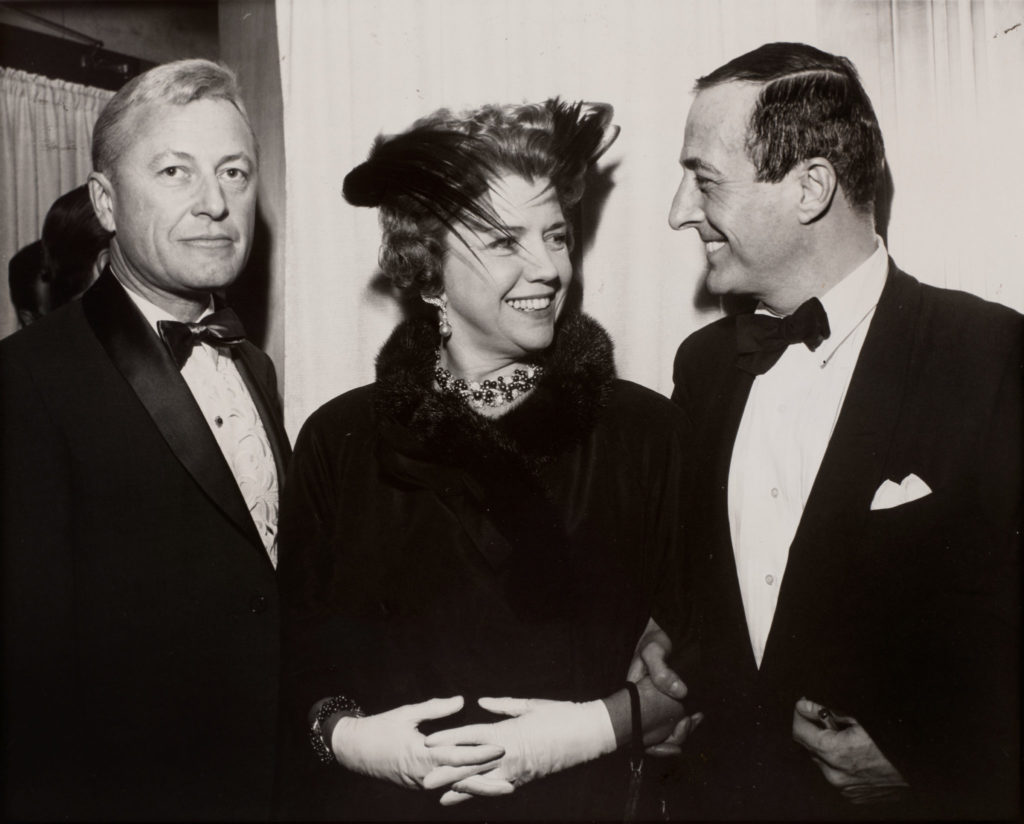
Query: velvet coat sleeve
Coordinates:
[310,670]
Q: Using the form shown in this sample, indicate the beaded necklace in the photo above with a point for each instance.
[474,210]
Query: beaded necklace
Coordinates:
[492,393]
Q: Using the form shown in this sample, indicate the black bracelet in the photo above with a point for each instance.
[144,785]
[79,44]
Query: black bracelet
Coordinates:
[636,754]
[636,744]
[338,703]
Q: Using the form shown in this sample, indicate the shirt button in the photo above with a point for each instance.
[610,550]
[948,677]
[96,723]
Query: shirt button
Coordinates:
[257,604]
[219,421]
[775,492]
[769,579]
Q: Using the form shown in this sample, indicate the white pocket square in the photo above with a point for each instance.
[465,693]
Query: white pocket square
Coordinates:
[891,494]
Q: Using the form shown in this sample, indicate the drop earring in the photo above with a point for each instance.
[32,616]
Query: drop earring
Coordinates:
[443,326]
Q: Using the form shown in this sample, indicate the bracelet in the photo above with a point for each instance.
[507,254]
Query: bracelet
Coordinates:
[636,754]
[339,703]
[636,744]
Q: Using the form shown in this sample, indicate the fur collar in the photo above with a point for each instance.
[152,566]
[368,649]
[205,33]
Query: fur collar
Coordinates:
[557,415]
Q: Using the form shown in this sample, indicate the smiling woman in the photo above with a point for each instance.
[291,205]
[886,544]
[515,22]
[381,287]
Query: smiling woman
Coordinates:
[505,289]
[481,229]
[494,516]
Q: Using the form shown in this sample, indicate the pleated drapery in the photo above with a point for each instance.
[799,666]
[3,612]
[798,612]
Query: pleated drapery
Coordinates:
[45,151]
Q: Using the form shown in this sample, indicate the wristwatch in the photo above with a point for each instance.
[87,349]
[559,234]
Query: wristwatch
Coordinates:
[332,706]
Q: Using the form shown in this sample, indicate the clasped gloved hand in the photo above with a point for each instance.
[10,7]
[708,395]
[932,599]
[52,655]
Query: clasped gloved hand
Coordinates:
[390,746]
[539,737]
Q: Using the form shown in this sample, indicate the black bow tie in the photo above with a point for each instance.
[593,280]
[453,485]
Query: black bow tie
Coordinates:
[761,339]
[222,328]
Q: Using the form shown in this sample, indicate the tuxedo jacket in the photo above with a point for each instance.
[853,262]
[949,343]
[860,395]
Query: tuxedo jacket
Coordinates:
[140,612]
[905,618]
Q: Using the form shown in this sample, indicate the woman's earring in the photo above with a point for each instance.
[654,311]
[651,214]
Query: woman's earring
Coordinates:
[443,326]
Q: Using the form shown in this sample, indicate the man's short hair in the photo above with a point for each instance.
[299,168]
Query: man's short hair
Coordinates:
[812,104]
[180,82]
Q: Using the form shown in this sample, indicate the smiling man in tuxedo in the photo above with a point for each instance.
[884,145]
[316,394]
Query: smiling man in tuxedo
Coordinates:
[854,513]
[142,455]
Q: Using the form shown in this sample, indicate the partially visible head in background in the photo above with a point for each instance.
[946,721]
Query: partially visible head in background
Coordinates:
[73,243]
[27,283]
[58,268]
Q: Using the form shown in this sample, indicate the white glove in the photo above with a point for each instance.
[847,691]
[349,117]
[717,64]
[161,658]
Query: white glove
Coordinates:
[540,738]
[389,745]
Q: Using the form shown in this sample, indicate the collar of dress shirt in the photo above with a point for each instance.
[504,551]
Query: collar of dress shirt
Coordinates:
[851,300]
[153,313]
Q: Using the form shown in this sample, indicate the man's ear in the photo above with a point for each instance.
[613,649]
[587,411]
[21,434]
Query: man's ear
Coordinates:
[101,193]
[818,183]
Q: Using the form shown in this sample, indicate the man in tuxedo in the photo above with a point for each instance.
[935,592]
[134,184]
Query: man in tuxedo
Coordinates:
[142,455]
[854,511]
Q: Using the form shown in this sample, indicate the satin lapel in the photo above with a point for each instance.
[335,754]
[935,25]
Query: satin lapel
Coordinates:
[854,462]
[267,409]
[138,354]
[723,603]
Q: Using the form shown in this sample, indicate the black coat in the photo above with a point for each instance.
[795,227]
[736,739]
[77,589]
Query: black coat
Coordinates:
[905,618]
[427,551]
[140,618]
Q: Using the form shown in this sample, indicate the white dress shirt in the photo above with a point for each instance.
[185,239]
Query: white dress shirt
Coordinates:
[231,414]
[785,429]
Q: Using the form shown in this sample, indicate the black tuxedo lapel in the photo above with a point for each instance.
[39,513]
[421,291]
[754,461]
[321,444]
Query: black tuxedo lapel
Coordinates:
[855,461]
[138,354]
[723,603]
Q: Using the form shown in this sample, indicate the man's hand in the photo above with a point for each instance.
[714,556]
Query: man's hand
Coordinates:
[846,755]
[673,744]
[649,660]
[390,747]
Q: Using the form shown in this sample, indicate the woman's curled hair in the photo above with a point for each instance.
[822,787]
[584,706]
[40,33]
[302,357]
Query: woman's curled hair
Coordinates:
[433,177]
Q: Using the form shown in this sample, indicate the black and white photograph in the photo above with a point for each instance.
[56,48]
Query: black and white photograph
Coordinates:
[511,410]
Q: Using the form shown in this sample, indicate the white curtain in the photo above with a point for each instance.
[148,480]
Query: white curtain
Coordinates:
[946,79]
[955,131]
[47,131]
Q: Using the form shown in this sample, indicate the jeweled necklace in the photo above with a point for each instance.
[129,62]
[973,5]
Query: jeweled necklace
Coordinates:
[492,393]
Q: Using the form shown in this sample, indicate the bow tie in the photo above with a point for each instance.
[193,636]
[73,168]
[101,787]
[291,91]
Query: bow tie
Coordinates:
[761,339]
[222,328]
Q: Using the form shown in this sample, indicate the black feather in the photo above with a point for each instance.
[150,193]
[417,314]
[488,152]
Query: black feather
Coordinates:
[579,136]
[439,172]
